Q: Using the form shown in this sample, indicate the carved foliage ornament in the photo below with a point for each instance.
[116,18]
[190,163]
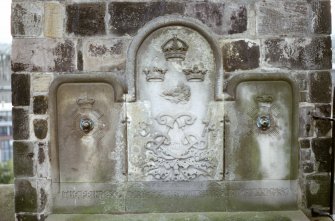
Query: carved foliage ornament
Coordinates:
[175,155]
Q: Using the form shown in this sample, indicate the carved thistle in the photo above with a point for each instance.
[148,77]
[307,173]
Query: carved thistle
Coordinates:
[174,155]
[180,94]
[195,74]
[175,48]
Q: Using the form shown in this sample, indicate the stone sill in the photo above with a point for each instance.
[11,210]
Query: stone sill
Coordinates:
[208,216]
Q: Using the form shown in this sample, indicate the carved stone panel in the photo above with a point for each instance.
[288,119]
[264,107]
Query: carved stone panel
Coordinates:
[260,132]
[176,126]
[90,146]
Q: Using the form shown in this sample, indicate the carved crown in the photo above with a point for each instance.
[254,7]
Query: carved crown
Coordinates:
[264,98]
[85,102]
[175,48]
[156,74]
[195,74]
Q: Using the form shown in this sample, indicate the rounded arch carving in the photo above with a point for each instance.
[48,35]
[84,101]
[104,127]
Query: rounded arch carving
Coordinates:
[167,21]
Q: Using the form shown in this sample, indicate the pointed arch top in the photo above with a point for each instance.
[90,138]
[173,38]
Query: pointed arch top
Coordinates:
[165,21]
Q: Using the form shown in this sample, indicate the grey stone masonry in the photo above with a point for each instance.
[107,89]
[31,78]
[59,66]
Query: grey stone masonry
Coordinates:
[120,42]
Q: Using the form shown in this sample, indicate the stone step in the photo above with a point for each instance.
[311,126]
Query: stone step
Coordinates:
[208,216]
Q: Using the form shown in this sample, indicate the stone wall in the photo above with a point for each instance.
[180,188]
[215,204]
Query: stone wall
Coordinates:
[53,38]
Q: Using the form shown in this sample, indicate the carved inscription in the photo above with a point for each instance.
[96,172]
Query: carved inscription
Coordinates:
[88,194]
[180,94]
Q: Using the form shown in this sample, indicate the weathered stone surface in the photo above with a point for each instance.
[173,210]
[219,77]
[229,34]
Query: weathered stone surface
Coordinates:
[104,55]
[305,154]
[7,202]
[40,82]
[40,104]
[321,17]
[320,87]
[129,17]
[43,55]
[222,18]
[27,19]
[308,167]
[305,143]
[53,19]
[318,189]
[322,149]
[20,89]
[323,128]
[323,110]
[240,55]
[281,17]
[302,53]
[239,20]
[25,196]
[23,159]
[26,217]
[40,128]
[20,124]
[41,154]
[305,121]
[86,19]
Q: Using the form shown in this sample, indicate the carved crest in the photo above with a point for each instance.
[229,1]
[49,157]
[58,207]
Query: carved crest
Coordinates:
[180,94]
[175,48]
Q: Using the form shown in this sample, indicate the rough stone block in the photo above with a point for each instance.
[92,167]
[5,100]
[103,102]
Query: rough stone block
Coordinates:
[27,19]
[305,154]
[320,87]
[25,196]
[222,18]
[321,17]
[86,19]
[53,19]
[306,121]
[40,104]
[302,53]
[240,55]
[43,55]
[40,128]
[282,17]
[25,217]
[323,110]
[41,153]
[104,55]
[40,82]
[23,159]
[323,128]
[20,89]
[308,167]
[128,17]
[304,143]
[322,149]
[20,124]
[318,189]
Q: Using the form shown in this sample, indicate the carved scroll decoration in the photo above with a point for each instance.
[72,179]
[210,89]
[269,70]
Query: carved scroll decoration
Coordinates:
[177,158]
